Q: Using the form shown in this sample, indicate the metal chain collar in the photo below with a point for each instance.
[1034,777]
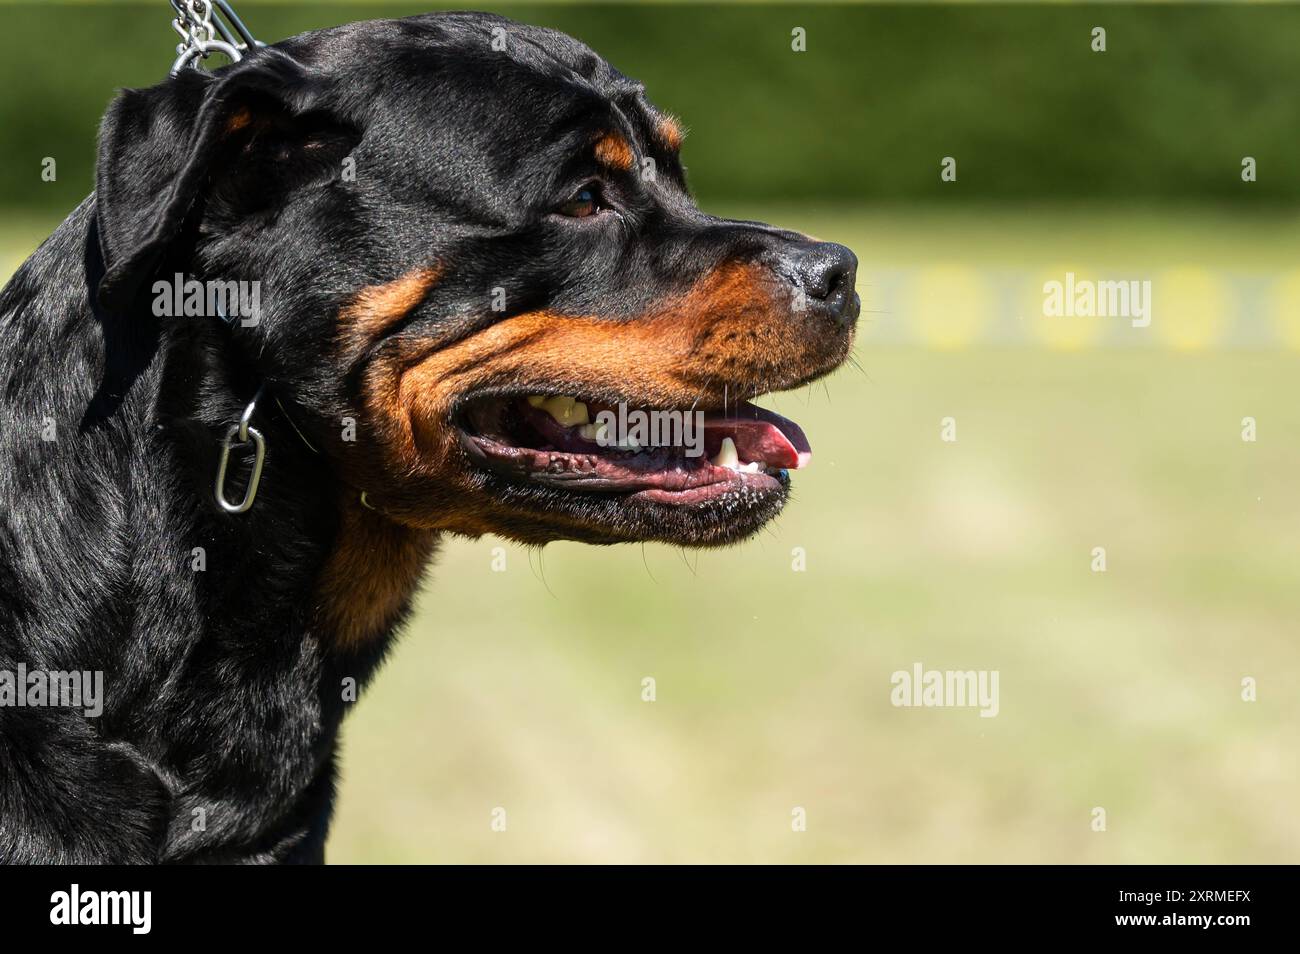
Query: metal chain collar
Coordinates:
[206,27]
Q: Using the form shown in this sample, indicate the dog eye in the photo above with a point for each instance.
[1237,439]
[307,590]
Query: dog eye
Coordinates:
[585,202]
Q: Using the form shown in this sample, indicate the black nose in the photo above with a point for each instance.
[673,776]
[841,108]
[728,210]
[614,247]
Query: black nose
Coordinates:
[826,272]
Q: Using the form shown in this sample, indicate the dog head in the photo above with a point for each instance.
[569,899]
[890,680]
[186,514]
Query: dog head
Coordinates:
[485,290]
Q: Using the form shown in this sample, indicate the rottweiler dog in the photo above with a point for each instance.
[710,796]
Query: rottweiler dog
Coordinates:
[464,238]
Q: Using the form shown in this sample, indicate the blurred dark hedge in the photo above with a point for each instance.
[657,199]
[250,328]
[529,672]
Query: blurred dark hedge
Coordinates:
[1015,93]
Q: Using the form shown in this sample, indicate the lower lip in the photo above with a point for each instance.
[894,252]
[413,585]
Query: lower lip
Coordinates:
[739,484]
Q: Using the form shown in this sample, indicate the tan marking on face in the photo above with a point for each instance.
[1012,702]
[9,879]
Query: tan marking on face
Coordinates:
[376,309]
[370,576]
[612,150]
[670,133]
[732,334]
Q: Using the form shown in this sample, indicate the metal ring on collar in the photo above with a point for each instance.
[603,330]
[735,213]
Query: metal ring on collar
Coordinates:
[259,457]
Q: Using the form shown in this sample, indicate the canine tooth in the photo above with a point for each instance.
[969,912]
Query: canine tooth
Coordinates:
[727,456]
[536,400]
[753,467]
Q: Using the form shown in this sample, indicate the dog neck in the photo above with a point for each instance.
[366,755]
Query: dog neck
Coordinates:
[370,575]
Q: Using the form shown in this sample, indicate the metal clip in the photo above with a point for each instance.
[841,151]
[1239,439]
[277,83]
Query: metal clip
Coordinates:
[243,431]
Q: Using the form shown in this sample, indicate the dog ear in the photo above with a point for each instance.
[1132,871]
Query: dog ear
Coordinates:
[236,139]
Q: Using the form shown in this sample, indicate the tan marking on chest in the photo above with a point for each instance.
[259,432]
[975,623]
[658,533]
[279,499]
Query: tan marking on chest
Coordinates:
[370,576]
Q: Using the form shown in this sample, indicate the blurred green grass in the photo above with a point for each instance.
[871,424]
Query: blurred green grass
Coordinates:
[522,689]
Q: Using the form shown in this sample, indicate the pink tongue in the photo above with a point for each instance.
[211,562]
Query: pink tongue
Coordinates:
[759,435]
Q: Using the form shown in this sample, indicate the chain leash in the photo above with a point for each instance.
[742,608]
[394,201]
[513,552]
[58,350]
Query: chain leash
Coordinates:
[206,27]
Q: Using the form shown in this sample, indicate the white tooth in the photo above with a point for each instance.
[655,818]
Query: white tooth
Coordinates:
[727,456]
[631,444]
[594,432]
[536,400]
[753,467]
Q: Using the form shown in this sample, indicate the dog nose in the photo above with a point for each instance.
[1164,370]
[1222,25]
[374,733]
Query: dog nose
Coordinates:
[826,272]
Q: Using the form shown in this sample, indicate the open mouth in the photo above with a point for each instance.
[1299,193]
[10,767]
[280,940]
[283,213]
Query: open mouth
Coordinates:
[666,456]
